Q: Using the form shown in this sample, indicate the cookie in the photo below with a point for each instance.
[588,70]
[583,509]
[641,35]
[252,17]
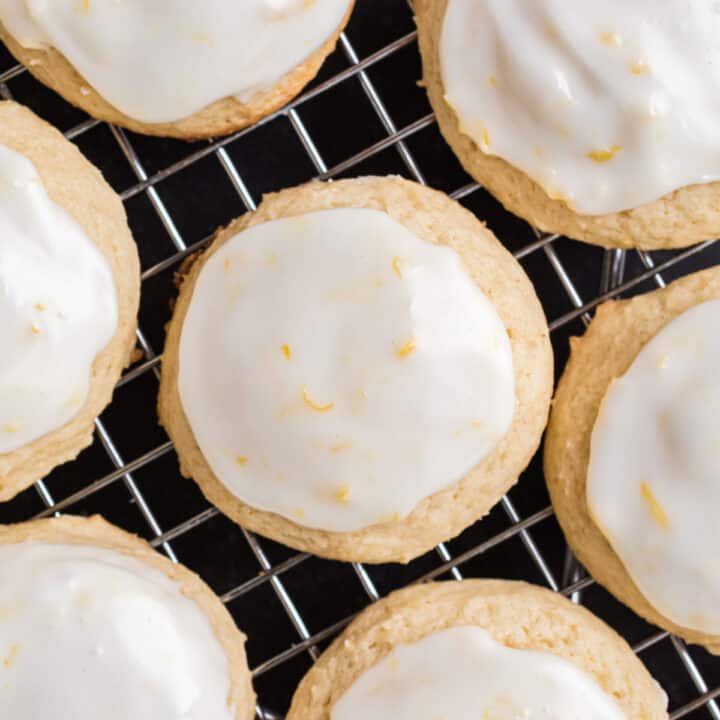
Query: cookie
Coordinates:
[630,449]
[113,629]
[358,369]
[591,124]
[71,279]
[501,647]
[188,72]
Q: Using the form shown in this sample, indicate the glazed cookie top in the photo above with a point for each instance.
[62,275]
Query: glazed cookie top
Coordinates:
[608,107]
[58,307]
[164,61]
[336,370]
[655,469]
[84,628]
[462,672]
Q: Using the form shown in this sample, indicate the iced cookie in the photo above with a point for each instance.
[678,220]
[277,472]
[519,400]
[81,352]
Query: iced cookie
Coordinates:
[595,123]
[96,624]
[358,369]
[69,293]
[632,457]
[486,649]
[186,70]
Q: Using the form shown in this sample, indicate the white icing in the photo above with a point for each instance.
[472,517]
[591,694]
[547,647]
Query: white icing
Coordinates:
[165,60]
[58,307]
[464,674]
[633,82]
[654,475]
[88,633]
[406,361]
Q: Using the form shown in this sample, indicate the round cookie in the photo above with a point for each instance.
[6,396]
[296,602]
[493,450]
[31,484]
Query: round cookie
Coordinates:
[93,534]
[681,218]
[222,117]
[611,344]
[75,185]
[515,614]
[433,218]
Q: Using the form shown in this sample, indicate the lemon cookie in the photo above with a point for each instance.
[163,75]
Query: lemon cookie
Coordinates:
[69,292]
[94,623]
[595,123]
[186,70]
[485,649]
[632,458]
[358,369]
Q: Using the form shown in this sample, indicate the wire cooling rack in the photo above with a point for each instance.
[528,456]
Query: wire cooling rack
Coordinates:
[364,114]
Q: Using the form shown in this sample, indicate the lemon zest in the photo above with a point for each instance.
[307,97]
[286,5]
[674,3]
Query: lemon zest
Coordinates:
[603,156]
[315,406]
[406,349]
[654,506]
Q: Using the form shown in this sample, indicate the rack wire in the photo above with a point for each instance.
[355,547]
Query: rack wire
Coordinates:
[291,604]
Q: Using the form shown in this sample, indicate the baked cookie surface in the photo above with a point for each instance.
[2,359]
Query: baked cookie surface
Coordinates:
[432,218]
[78,192]
[516,615]
[611,346]
[101,592]
[680,216]
[201,101]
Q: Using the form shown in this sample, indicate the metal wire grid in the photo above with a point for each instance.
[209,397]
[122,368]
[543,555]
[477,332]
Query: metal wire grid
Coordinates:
[572,582]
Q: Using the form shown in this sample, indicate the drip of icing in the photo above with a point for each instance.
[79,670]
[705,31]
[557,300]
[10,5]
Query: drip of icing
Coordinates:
[58,307]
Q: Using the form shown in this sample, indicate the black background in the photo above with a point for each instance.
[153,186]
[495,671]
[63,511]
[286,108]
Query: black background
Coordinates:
[195,195]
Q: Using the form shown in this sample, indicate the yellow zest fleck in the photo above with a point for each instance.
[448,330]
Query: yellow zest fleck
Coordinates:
[84,6]
[343,494]
[406,349]
[11,428]
[307,4]
[492,81]
[663,362]
[655,508]
[299,513]
[611,39]
[39,307]
[485,140]
[227,264]
[34,329]
[563,131]
[390,518]
[8,661]
[603,156]
[640,67]
[241,460]
[315,406]
[286,351]
[340,447]
[477,423]
[203,39]
[396,267]
[393,664]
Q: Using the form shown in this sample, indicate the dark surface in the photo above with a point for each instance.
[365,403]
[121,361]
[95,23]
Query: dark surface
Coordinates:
[341,122]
